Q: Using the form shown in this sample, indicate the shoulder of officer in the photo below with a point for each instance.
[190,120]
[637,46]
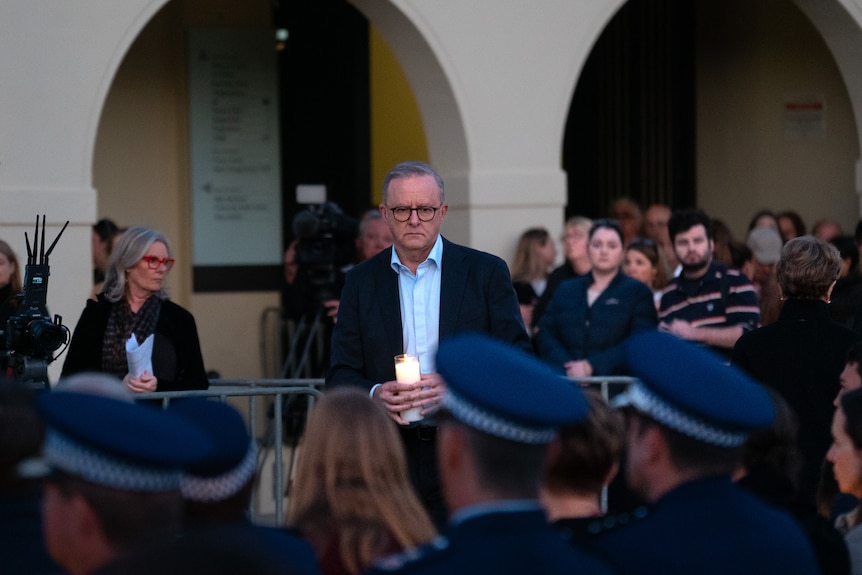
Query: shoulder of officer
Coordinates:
[611,522]
[412,556]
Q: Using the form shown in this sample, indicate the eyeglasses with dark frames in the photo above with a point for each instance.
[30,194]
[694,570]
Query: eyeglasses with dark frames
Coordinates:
[155,263]
[424,213]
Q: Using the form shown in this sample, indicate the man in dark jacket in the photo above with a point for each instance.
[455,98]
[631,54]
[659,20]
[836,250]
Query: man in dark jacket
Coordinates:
[407,299]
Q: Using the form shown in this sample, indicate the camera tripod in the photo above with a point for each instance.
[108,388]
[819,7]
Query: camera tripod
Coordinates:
[306,358]
[307,332]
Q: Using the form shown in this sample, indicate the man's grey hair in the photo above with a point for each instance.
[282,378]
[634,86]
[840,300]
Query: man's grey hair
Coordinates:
[368,216]
[412,169]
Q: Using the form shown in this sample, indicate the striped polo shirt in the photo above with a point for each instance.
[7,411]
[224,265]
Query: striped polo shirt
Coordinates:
[700,301]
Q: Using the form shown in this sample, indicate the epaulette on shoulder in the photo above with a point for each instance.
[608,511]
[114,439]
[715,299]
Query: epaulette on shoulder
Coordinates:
[611,522]
[398,561]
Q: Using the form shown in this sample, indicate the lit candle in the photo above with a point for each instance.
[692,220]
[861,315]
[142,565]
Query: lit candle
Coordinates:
[407,371]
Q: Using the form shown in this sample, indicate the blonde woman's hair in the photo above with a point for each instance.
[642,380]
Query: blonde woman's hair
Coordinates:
[15,278]
[528,265]
[352,482]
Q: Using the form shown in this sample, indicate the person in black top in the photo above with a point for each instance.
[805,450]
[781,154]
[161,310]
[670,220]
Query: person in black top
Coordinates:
[134,301]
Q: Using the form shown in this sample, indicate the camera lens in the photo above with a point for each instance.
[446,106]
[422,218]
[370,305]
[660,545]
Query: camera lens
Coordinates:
[46,336]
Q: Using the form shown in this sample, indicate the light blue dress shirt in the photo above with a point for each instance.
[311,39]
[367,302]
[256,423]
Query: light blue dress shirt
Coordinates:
[420,306]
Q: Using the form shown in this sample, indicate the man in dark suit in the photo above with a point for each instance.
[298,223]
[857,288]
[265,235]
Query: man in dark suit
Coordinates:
[406,300]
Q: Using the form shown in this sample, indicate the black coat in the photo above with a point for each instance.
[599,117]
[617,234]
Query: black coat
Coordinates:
[801,357]
[177,361]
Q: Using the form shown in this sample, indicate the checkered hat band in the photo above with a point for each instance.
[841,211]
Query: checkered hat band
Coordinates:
[642,399]
[478,418]
[66,454]
[220,487]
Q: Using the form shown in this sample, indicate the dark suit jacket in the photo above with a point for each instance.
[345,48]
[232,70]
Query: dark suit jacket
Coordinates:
[177,360]
[476,295]
[801,357]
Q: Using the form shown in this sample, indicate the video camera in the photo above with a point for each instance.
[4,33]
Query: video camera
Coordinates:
[31,337]
[326,243]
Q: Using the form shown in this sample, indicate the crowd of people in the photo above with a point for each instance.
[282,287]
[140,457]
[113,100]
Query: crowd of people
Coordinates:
[781,306]
[737,448]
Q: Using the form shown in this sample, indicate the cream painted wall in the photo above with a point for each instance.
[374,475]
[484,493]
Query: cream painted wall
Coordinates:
[397,133]
[746,66]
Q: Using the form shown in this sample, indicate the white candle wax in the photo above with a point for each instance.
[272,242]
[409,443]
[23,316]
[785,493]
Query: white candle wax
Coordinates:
[407,371]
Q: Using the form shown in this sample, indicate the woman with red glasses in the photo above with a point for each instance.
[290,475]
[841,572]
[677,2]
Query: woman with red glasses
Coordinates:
[133,311]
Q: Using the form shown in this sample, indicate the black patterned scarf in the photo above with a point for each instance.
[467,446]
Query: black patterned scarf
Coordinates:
[121,324]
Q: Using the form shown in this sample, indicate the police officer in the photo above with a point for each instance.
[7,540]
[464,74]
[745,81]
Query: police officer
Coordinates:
[217,492]
[501,408]
[114,473]
[688,418]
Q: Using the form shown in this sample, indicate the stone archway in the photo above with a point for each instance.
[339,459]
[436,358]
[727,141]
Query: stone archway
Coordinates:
[840,24]
[493,84]
[441,116]
[832,37]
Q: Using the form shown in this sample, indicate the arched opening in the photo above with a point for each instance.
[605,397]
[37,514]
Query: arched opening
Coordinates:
[710,104]
[630,131]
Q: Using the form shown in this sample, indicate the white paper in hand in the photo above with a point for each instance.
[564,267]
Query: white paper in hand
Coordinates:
[140,357]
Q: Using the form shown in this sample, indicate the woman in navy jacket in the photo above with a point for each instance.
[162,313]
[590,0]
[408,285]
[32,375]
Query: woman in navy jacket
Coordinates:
[589,317]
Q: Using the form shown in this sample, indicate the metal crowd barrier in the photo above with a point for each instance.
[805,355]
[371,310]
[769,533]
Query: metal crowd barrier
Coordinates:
[278,390]
[609,386]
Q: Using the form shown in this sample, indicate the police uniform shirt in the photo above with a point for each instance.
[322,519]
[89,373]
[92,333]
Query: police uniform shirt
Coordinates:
[708,526]
[499,539]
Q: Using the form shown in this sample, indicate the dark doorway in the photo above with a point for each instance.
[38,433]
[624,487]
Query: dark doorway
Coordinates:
[324,84]
[631,126]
